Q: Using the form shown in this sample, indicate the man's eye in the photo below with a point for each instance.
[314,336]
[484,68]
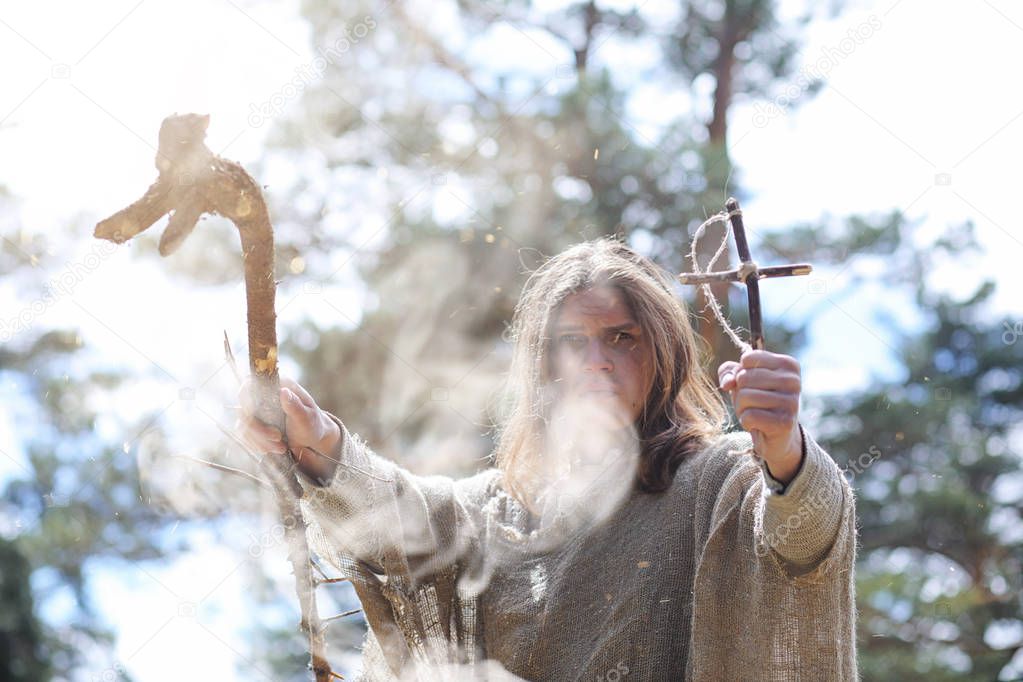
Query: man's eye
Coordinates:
[573,340]
[621,337]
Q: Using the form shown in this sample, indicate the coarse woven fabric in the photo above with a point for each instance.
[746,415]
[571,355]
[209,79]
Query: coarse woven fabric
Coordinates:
[717,578]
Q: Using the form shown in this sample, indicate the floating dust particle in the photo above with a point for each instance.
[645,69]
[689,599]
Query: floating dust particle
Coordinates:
[497,290]
[899,436]
[489,239]
[642,564]
[297,265]
[596,153]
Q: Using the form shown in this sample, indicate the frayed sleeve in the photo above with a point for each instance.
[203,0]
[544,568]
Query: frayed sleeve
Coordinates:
[774,604]
[382,515]
[802,522]
[402,540]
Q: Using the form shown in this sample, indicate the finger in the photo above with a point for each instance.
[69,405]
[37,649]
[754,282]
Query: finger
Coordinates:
[261,430]
[726,375]
[292,403]
[255,442]
[768,380]
[728,367]
[264,447]
[768,422]
[748,398]
[764,359]
[297,389]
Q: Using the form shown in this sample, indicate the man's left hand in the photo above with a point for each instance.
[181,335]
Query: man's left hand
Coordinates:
[764,387]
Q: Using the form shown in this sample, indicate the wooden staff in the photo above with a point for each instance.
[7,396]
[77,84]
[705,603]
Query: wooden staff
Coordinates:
[193,181]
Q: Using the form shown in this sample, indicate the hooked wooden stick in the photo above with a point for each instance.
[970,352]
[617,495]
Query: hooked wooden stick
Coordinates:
[193,181]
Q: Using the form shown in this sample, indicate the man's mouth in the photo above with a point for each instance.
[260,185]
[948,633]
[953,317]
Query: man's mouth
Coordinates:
[598,388]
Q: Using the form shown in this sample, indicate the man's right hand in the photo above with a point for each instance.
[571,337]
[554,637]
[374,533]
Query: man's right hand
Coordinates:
[310,432]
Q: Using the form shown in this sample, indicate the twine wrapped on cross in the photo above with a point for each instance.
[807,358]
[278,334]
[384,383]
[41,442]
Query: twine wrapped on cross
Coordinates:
[748,272]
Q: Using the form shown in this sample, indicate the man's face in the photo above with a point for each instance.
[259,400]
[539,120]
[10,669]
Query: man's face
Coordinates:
[600,355]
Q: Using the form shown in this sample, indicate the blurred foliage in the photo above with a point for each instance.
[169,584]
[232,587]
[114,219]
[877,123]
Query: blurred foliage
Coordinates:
[81,502]
[421,175]
[935,460]
[21,654]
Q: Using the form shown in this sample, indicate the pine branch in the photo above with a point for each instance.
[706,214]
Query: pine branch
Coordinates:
[227,469]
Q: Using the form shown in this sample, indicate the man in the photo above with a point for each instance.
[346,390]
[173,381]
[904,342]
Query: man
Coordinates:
[622,533]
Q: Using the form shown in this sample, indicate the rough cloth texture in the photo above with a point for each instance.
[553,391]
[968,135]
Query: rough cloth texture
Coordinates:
[717,578]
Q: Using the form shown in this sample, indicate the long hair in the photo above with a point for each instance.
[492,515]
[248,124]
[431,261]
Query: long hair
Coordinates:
[683,410]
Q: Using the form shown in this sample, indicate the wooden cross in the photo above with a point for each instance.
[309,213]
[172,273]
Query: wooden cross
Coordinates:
[748,272]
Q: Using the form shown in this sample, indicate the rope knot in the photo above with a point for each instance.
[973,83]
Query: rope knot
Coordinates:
[748,268]
[745,270]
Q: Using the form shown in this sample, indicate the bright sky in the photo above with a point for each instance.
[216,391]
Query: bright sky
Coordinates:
[919,114]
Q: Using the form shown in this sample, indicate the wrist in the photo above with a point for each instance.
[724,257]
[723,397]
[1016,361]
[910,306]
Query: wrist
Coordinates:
[783,469]
[318,460]
[330,440]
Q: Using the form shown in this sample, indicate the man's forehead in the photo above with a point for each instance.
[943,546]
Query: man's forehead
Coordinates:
[604,303]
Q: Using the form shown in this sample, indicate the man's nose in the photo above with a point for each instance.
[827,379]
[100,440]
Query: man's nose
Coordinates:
[595,357]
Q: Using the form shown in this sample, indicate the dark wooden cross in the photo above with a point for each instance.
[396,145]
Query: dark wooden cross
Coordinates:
[748,272]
